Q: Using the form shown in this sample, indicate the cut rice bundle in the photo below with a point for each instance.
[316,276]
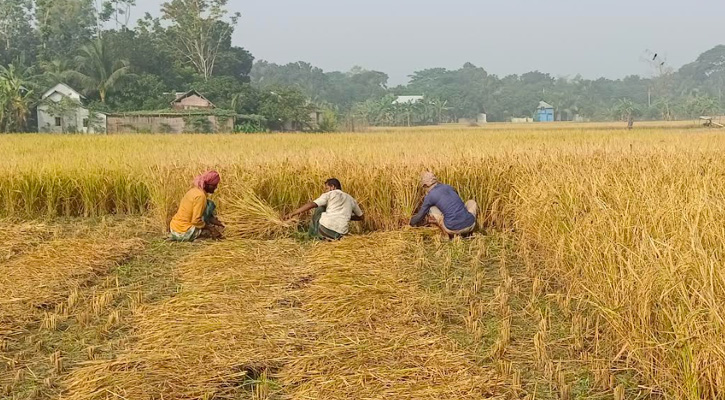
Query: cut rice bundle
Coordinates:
[246,215]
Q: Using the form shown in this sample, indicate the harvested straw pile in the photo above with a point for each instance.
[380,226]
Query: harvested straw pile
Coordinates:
[19,238]
[246,215]
[228,325]
[252,320]
[44,277]
[375,336]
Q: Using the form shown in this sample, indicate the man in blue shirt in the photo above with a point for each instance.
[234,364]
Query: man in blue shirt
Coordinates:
[444,208]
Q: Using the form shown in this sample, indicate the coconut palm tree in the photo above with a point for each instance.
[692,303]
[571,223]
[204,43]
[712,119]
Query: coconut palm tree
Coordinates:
[55,72]
[439,108]
[97,70]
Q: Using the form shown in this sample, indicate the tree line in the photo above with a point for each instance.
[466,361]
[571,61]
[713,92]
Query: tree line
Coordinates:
[695,89]
[93,46]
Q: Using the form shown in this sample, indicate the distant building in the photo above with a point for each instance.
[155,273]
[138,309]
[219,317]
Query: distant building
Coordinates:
[191,100]
[174,121]
[524,120]
[408,99]
[544,112]
[61,111]
[312,123]
[479,120]
[190,112]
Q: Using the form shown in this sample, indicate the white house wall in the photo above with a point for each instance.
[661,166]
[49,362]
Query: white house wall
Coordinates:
[69,123]
[72,123]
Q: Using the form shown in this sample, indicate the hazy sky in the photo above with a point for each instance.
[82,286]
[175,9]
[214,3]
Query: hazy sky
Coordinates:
[563,37]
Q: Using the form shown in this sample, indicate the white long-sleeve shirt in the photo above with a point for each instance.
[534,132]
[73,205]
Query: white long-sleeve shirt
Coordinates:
[340,209]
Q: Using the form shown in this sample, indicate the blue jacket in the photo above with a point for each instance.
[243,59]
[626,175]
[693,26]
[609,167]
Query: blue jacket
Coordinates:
[455,215]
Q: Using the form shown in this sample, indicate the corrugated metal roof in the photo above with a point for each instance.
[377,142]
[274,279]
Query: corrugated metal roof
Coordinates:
[408,99]
[63,89]
[182,95]
[543,104]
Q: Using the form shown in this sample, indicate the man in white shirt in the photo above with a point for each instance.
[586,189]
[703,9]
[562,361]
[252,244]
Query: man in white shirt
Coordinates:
[333,212]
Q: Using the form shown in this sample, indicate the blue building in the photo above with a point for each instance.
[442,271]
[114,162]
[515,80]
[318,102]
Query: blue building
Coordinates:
[545,112]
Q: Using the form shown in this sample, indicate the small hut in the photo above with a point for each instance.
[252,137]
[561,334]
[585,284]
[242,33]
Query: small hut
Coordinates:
[544,112]
[191,100]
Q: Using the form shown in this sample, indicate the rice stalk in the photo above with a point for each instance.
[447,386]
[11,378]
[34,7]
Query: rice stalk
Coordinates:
[246,215]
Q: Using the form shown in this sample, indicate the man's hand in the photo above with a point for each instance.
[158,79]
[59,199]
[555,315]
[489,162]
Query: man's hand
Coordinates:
[290,216]
[215,221]
[307,207]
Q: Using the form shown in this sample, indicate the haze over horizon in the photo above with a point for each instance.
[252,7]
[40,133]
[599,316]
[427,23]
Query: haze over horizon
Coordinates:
[560,37]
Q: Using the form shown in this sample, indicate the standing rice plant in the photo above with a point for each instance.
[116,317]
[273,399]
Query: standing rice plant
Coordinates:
[31,193]
[167,186]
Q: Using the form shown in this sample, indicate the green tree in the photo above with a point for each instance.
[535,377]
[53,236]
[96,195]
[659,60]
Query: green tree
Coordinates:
[16,32]
[467,91]
[439,109]
[706,74]
[54,72]
[145,92]
[343,89]
[199,29]
[246,100]
[147,51]
[64,26]
[376,112]
[701,105]
[329,121]
[117,10]
[220,90]
[98,70]
[286,106]
[625,110]
[15,98]
[666,108]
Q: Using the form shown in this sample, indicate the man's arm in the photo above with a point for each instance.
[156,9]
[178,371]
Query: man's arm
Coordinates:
[357,214]
[422,213]
[320,202]
[307,207]
[215,221]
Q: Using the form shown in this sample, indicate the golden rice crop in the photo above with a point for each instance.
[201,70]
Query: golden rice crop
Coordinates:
[626,227]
